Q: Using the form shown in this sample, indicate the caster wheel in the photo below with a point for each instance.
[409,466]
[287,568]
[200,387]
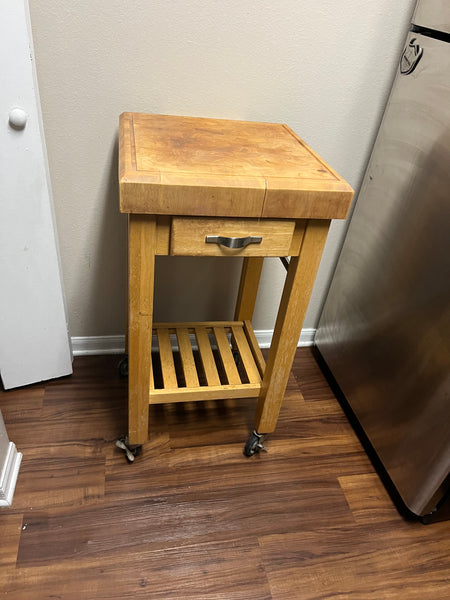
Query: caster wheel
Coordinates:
[123,367]
[131,451]
[254,444]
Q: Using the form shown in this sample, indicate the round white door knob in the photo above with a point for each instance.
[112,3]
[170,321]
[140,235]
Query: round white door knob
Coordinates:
[18,118]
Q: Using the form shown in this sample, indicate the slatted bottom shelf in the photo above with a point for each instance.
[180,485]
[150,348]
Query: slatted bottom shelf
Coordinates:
[211,361]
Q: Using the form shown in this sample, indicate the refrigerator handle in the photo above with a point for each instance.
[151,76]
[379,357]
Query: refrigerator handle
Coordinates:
[410,57]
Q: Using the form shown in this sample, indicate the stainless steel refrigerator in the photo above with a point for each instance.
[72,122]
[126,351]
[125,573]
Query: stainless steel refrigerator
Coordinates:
[385,329]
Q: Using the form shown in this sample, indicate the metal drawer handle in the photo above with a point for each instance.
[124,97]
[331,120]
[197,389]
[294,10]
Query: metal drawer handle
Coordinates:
[233,242]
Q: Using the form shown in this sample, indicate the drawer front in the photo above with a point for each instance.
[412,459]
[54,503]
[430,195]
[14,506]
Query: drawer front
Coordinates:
[197,236]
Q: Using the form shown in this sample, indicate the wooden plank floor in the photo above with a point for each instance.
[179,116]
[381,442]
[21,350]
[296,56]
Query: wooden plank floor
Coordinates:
[193,518]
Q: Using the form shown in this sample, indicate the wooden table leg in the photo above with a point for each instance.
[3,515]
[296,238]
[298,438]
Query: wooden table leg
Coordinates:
[141,268]
[248,288]
[127,329]
[294,302]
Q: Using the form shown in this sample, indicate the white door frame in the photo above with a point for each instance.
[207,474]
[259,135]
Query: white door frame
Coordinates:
[10,461]
[34,338]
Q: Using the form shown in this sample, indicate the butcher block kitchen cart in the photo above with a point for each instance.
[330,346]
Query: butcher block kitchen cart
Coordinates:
[213,187]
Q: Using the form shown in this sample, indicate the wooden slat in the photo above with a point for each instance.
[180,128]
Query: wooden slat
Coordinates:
[202,393]
[167,364]
[152,378]
[193,325]
[246,355]
[256,350]
[207,357]
[187,358]
[226,356]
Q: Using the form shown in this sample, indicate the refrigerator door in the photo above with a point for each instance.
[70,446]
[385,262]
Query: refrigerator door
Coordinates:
[433,14]
[385,328]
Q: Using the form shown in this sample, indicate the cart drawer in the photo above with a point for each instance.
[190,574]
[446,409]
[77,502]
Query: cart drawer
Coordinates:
[196,236]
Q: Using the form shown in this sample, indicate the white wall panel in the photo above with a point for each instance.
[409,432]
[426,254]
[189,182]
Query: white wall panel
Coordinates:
[325,68]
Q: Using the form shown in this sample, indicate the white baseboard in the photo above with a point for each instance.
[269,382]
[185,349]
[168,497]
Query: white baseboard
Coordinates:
[307,337]
[115,344]
[9,473]
[99,344]
[264,337]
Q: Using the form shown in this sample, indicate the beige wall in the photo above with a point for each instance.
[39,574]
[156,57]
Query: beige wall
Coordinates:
[324,67]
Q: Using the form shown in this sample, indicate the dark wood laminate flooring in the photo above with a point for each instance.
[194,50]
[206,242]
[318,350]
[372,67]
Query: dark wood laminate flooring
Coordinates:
[193,518]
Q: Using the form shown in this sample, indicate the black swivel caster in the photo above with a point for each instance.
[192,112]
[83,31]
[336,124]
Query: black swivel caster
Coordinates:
[254,443]
[123,367]
[131,451]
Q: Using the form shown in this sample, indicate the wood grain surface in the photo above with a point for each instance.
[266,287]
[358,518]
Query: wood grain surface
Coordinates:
[189,234]
[216,167]
[192,517]
[141,274]
[291,313]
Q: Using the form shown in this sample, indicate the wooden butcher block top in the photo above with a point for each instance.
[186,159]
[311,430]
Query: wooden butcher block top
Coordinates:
[172,165]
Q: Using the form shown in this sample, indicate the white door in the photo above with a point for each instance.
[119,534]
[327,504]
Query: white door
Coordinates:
[34,339]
